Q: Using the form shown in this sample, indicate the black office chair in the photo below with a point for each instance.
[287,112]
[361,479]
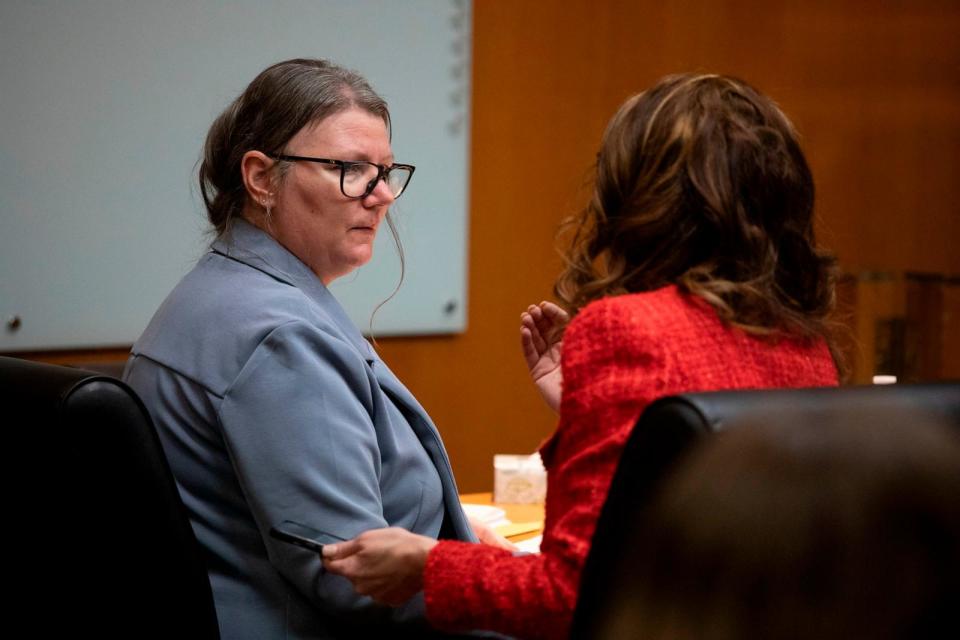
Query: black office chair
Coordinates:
[670,427]
[98,539]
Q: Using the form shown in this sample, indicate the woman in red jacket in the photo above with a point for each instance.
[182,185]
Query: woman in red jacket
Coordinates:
[693,268]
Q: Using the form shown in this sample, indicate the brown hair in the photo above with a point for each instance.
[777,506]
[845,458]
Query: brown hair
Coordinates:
[700,182]
[803,530]
[281,100]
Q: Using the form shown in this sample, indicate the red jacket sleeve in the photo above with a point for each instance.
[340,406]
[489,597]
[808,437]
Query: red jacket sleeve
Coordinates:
[607,380]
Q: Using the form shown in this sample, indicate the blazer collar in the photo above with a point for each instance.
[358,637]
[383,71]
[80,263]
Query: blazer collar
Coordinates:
[255,248]
[429,437]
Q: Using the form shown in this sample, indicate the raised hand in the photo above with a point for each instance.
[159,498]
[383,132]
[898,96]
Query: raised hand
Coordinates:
[541,340]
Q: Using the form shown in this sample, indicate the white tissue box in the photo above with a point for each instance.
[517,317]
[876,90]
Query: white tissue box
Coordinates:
[519,479]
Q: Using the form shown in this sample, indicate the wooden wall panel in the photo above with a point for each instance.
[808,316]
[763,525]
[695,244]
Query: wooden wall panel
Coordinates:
[874,89]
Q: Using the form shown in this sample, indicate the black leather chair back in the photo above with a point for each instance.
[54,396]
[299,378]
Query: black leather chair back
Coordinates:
[669,427]
[101,540]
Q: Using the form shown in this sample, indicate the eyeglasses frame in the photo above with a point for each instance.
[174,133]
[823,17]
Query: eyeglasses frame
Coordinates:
[383,171]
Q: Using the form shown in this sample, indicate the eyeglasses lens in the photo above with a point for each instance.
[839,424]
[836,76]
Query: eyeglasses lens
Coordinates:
[359,179]
[397,180]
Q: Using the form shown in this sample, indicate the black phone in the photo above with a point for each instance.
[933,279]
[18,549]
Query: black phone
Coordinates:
[299,534]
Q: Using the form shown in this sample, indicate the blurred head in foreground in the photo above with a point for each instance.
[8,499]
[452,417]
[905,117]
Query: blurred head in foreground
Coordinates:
[824,531]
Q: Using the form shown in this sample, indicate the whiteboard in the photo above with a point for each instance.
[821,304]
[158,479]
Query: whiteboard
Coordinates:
[104,107]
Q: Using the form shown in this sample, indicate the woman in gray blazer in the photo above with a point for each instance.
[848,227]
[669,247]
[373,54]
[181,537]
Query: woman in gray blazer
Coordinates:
[271,406]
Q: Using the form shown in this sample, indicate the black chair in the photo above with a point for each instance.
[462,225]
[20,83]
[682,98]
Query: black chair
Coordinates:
[670,427]
[98,537]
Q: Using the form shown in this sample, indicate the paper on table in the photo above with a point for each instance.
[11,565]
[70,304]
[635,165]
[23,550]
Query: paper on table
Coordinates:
[487,514]
[531,545]
[517,528]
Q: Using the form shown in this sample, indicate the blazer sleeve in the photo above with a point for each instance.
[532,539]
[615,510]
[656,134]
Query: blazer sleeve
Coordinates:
[298,423]
[610,371]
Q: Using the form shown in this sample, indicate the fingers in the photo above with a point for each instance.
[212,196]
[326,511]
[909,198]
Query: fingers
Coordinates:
[527,347]
[482,530]
[340,550]
[341,558]
[532,344]
[487,535]
[494,539]
[555,313]
[532,320]
[543,320]
[541,336]
[346,567]
[549,320]
[385,564]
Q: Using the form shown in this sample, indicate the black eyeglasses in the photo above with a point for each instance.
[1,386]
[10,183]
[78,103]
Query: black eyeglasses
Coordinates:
[359,178]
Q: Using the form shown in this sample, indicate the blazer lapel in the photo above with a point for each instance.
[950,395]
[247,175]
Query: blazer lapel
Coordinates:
[429,437]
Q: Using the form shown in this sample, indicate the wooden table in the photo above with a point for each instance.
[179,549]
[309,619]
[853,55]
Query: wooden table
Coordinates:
[517,513]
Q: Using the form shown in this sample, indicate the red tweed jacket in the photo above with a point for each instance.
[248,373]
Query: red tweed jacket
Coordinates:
[619,354]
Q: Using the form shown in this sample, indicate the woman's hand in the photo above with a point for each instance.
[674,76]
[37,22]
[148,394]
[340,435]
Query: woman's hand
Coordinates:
[385,564]
[541,339]
[487,535]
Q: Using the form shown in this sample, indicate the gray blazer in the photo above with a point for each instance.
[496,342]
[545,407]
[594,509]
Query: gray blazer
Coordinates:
[272,406]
